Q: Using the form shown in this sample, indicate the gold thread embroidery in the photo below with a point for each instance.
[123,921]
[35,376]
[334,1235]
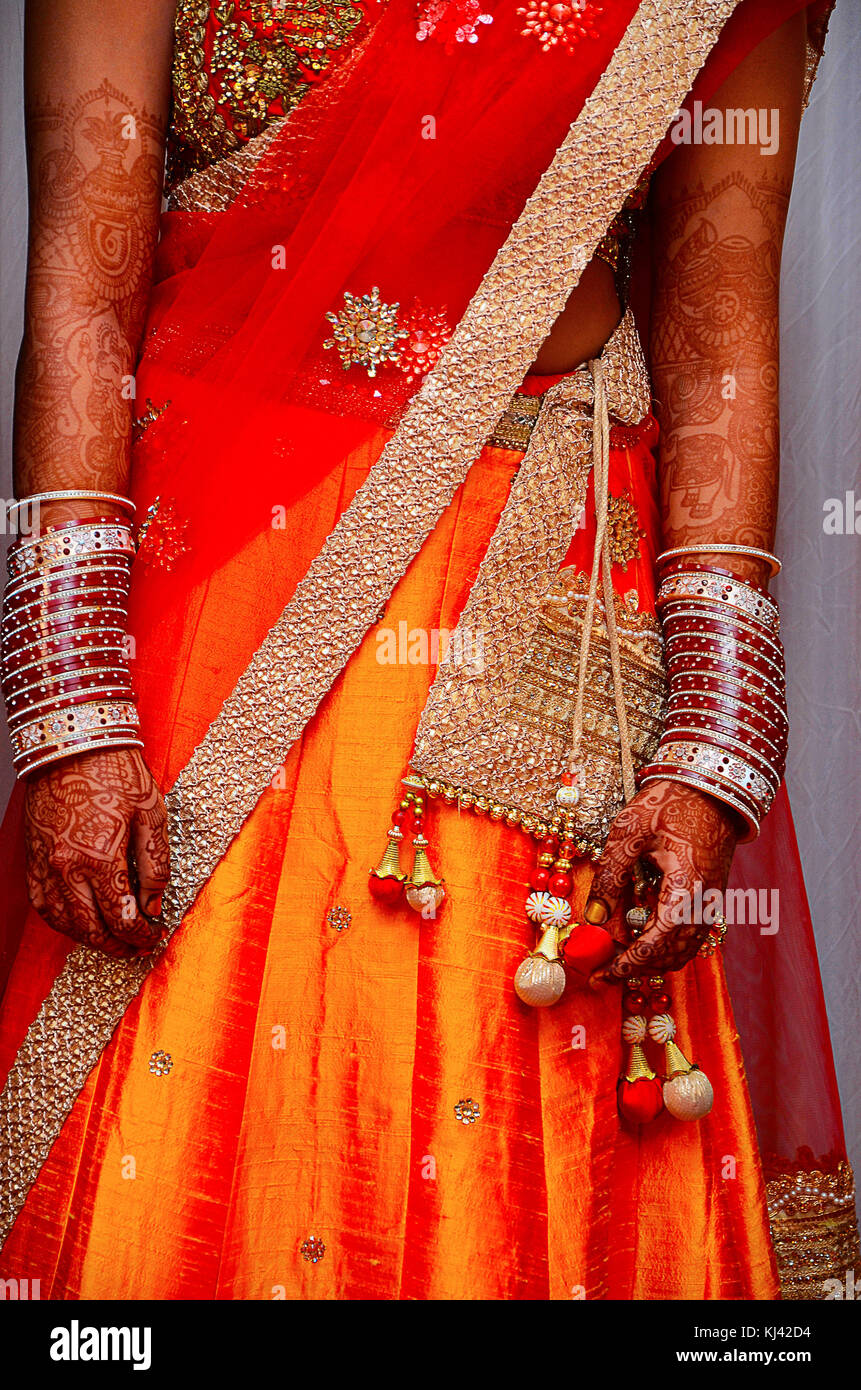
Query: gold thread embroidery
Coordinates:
[375,540]
[814,1230]
[256,69]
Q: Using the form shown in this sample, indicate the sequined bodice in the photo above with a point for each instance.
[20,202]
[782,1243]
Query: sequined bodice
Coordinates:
[237,66]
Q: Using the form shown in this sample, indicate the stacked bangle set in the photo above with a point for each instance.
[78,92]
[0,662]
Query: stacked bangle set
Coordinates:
[64,668]
[726,729]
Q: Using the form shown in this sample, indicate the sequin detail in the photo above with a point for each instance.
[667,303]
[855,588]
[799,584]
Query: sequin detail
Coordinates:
[451,21]
[366,332]
[161,538]
[238,66]
[160,1063]
[467,1111]
[312,1250]
[559,24]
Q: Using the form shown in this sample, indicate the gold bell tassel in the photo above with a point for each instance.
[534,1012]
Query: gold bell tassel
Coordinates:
[638,1094]
[688,1093]
[386,881]
[425,892]
[540,979]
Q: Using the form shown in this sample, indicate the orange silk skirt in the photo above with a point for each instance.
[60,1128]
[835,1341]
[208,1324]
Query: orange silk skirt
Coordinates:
[315,1073]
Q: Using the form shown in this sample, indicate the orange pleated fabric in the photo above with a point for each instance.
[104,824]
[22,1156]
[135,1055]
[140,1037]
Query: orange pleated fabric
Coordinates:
[315,1074]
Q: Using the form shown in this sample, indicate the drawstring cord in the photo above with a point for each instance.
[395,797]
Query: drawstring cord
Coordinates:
[601,567]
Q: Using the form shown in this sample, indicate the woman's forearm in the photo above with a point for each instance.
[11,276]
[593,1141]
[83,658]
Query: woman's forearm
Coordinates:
[721,212]
[96,103]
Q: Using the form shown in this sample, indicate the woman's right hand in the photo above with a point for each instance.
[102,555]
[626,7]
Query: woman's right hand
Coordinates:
[97,850]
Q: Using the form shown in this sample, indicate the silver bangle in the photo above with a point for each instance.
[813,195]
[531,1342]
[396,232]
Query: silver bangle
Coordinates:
[70,495]
[749,550]
[93,745]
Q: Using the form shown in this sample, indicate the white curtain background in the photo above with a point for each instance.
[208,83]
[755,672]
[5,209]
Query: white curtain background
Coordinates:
[821,447]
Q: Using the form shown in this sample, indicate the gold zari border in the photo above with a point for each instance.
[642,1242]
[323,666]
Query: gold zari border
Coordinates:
[375,540]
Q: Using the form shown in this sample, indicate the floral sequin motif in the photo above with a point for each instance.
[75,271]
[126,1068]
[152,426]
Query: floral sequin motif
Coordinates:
[339,918]
[428,331]
[161,538]
[366,332]
[312,1250]
[451,21]
[555,24]
[160,1063]
[467,1111]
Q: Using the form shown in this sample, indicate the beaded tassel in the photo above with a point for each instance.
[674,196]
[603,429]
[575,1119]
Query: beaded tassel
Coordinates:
[638,1093]
[424,892]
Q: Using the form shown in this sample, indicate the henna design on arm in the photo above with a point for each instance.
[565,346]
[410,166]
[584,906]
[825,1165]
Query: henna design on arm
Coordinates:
[95,173]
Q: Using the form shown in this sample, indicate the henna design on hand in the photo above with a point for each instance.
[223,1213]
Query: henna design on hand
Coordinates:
[97,850]
[690,837]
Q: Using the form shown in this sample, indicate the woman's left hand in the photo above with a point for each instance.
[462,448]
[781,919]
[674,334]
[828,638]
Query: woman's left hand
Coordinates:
[691,839]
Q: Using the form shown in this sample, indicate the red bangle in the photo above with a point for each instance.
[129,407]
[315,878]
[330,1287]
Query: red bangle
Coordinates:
[723,649]
[735,726]
[106,659]
[707,684]
[682,665]
[693,622]
[775,727]
[750,814]
[761,764]
[42,709]
[682,567]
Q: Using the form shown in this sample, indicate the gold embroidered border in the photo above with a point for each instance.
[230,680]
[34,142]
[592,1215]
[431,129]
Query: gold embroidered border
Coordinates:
[814,1231]
[424,463]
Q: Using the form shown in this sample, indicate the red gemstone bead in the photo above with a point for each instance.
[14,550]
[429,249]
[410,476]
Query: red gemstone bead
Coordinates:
[661,1002]
[635,1003]
[399,817]
[385,890]
[549,844]
[560,885]
[567,849]
[539,879]
[417,824]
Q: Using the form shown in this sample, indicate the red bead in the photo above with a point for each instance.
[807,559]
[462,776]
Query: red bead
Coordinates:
[567,849]
[661,1002]
[635,1003]
[560,885]
[399,817]
[549,844]
[539,879]
[417,824]
[385,890]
